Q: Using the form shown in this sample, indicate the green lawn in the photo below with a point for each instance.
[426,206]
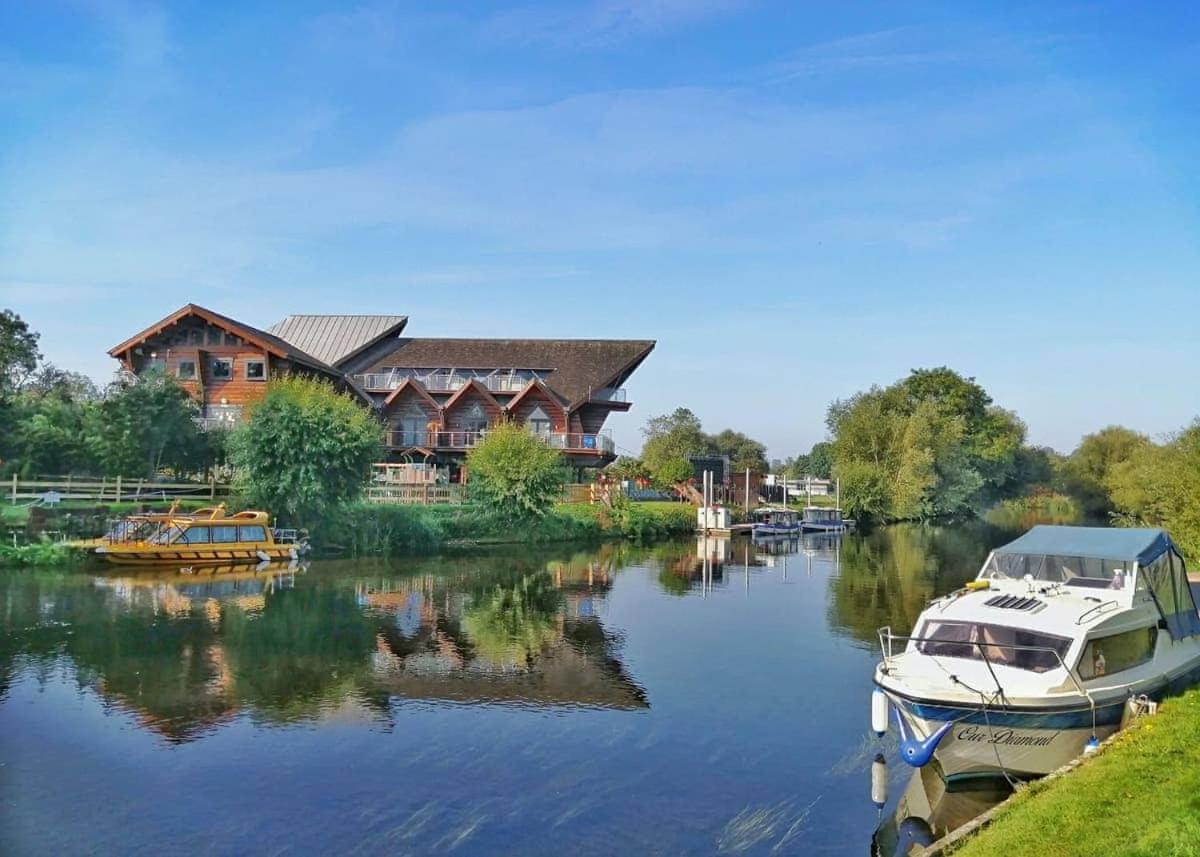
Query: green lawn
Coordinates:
[1141,796]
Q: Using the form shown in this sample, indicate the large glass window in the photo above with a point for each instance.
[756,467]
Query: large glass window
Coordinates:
[1002,644]
[1084,571]
[1106,655]
[195,536]
[222,535]
[222,369]
[253,534]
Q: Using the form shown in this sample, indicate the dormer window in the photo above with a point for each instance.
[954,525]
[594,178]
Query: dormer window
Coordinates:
[539,422]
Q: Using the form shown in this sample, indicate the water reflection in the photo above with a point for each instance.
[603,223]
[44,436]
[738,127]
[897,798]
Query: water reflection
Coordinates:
[184,651]
[927,811]
[887,576]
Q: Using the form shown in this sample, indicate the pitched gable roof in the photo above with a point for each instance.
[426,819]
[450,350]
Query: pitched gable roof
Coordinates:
[478,387]
[266,341]
[418,389]
[337,338]
[538,386]
[572,368]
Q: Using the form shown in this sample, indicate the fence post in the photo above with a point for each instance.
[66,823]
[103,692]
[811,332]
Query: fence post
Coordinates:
[118,491]
[103,484]
[14,493]
[212,487]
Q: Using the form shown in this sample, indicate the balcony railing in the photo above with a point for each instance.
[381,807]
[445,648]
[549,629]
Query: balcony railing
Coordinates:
[384,381]
[584,442]
[608,394]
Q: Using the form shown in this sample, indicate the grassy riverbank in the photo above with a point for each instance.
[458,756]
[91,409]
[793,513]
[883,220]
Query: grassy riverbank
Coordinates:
[366,529]
[1141,796]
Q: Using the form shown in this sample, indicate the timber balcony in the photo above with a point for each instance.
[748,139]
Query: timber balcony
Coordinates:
[584,443]
[380,382]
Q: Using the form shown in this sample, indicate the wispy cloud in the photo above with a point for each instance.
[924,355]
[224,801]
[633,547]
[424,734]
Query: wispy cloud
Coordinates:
[603,22]
[875,51]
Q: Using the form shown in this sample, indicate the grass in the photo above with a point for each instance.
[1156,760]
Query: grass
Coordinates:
[1140,796]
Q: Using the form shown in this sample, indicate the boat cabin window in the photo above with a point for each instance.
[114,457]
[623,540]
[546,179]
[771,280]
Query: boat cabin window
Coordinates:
[252,534]
[1084,571]
[1003,645]
[224,535]
[195,536]
[1107,655]
[167,535]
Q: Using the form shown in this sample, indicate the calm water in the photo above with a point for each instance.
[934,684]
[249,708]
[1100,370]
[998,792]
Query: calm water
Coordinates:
[615,700]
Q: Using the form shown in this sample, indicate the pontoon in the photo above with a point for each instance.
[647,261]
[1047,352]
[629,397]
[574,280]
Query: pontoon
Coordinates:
[1065,634]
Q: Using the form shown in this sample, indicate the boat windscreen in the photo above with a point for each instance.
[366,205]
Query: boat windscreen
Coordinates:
[1003,645]
[1085,571]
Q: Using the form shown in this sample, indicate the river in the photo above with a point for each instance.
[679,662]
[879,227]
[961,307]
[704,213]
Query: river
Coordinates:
[604,700]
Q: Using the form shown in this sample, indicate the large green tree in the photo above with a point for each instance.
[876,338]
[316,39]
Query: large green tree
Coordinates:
[670,440]
[515,473]
[144,425]
[18,351]
[304,449]
[931,444]
[744,452]
[1159,485]
[1088,471]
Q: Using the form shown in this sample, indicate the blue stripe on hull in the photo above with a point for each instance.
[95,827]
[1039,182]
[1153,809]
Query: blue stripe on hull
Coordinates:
[1108,714]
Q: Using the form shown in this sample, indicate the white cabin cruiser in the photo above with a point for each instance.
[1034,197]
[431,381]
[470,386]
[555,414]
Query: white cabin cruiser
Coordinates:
[1062,635]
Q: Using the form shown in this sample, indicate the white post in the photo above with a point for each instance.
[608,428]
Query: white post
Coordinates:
[747,490]
[14,491]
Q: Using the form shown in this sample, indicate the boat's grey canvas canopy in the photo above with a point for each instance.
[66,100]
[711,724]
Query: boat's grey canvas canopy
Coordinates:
[1142,546]
[1160,563]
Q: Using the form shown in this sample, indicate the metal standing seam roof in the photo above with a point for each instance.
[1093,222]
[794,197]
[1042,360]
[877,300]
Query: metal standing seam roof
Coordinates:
[334,338]
[1133,544]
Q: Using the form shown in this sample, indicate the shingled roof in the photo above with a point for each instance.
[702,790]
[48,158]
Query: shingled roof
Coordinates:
[337,338]
[261,338]
[573,368]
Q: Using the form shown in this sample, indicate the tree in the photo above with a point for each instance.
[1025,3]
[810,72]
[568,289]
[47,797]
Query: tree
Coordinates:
[744,452]
[1088,470]
[819,461]
[1159,485]
[304,449]
[671,440]
[934,444]
[514,472]
[144,425]
[18,351]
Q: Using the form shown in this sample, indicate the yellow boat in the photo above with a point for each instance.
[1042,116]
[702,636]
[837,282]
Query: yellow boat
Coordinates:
[143,525]
[215,539]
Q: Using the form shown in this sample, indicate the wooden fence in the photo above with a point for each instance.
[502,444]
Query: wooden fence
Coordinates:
[425,495]
[115,490]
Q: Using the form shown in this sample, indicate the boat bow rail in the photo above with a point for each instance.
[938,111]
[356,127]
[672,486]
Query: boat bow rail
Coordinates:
[886,644]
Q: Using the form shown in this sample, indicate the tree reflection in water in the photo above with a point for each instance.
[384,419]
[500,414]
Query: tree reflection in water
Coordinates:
[183,652]
[888,575]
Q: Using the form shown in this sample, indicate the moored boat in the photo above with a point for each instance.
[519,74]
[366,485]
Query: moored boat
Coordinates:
[770,522]
[217,539]
[823,519]
[1065,634]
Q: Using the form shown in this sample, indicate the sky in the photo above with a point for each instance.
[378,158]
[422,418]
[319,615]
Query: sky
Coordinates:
[796,200]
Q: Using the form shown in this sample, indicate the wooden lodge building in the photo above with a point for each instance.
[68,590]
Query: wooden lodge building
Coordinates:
[437,397]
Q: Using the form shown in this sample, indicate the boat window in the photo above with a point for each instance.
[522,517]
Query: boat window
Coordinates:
[253,534]
[186,370]
[1003,645]
[1106,655]
[222,369]
[167,535]
[1084,571]
[195,536]
[224,534]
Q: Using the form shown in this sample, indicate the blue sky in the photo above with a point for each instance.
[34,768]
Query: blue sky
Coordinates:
[796,200]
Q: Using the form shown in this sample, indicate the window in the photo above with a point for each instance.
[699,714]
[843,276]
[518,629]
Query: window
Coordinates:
[224,535]
[475,420]
[538,422]
[222,369]
[1106,655]
[230,339]
[196,337]
[214,336]
[1087,572]
[186,370]
[1003,645]
[256,370]
[195,536]
[252,534]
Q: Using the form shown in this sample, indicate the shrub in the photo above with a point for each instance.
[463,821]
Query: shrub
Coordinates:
[304,450]
[515,473]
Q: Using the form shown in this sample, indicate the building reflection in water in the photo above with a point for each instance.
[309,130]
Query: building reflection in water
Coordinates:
[185,652]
